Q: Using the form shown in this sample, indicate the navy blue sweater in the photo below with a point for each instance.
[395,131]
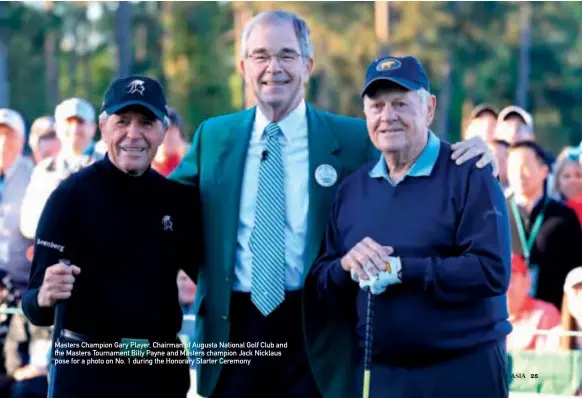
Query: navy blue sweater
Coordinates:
[451,231]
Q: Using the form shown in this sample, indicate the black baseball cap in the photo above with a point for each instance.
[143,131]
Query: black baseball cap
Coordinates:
[136,91]
[407,72]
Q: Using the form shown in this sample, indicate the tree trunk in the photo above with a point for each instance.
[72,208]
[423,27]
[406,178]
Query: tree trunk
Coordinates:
[72,89]
[141,48]
[159,44]
[123,38]
[322,96]
[166,22]
[4,87]
[242,15]
[382,13]
[524,54]
[50,59]
[445,98]
[86,64]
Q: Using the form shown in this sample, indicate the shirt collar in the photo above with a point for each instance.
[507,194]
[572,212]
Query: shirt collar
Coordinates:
[290,125]
[422,166]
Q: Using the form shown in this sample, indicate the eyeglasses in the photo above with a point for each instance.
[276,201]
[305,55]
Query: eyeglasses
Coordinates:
[284,57]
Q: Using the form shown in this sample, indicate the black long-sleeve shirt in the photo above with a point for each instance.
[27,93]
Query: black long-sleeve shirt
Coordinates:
[556,250]
[130,236]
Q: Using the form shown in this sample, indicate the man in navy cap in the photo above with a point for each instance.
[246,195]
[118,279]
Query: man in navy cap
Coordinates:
[110,243]
[430,240]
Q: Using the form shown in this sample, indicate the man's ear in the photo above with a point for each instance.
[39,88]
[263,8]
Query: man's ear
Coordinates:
[242,68]
[432,103]
[101,129]
[309,68]
[545,171]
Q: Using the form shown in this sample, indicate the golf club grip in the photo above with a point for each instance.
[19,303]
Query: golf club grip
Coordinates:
[57,327]
[368,345]
[60,308]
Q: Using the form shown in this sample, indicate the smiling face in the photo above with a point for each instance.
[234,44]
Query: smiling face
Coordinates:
[397,118]
[133,136]
[275,68]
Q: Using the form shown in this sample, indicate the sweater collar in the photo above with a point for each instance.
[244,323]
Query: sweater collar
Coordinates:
[111,169]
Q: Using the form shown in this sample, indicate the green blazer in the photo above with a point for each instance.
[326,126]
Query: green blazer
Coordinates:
[216,162]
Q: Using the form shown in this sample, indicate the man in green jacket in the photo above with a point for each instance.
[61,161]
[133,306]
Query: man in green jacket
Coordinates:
[267,177]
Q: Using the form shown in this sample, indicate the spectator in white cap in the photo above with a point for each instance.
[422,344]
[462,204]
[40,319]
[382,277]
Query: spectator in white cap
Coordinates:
[75,121]
[15,173]
[514,124]
[75,127]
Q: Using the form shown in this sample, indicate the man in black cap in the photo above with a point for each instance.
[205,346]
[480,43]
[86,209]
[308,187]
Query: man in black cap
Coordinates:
[430,241]
[124,231]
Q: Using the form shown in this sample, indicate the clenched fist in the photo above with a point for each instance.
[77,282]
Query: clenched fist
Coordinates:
[57,284]
[367,258]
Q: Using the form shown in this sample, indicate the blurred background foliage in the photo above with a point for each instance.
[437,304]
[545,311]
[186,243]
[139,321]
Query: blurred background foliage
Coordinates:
[502,53]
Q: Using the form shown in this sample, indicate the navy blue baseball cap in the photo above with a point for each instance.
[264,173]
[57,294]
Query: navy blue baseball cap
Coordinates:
[136,91]
[407,72]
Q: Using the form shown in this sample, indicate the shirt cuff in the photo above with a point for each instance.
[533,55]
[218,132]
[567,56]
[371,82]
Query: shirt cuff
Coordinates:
[42,316]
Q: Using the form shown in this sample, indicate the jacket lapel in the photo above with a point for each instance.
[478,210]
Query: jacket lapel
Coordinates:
[323,148]
[232,153]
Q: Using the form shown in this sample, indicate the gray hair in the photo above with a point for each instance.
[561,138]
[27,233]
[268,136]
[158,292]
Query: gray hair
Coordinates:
[568,155]
[302,31]
[104,115]
[424,95]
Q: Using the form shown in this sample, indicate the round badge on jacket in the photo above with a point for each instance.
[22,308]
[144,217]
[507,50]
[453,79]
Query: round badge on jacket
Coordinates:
[325,175]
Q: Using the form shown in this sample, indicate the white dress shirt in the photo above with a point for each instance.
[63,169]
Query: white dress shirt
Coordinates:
[294,147]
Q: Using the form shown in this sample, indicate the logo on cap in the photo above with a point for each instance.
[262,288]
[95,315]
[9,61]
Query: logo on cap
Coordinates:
[389,64]
[136,86]
[167,223]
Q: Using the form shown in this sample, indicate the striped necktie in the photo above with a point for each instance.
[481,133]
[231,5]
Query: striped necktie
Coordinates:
[267,242]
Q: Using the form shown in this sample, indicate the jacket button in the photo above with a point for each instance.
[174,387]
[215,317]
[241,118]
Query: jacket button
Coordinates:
[225,318]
